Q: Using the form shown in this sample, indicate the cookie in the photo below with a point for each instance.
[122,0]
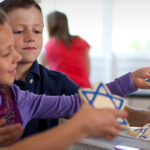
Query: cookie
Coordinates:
[100,97]
[142,133]
[135,132]
[147,82]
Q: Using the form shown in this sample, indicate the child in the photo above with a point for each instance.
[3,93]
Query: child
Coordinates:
[17,106]
[26,21]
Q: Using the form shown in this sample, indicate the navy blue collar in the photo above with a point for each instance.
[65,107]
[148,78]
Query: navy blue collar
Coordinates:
[35,69]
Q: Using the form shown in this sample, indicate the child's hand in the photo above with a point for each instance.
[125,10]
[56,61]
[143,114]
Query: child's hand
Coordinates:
[100,122]
[9,134]
[139,76]
[137,117]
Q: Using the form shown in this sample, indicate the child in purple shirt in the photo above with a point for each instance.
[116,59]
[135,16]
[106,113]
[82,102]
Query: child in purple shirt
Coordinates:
[17,106]
[21,106]
[34,77]
[30,105]
[26,21]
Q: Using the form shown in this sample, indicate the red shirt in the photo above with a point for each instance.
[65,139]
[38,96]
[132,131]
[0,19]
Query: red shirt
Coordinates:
[71,62]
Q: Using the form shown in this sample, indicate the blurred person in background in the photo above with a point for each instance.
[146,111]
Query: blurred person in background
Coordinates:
[67,53]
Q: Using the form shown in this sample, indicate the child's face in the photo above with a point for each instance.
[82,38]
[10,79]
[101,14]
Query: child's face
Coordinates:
[8,56]
[27,27]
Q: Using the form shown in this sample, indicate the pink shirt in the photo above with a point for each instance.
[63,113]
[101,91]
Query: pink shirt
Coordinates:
[72,62]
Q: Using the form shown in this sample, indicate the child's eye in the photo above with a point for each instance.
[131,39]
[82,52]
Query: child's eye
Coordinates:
[17,32]
[37,32]
[5,55]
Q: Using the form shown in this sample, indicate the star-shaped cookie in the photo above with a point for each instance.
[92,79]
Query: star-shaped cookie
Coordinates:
[142,133]
[101,97]
[147,82]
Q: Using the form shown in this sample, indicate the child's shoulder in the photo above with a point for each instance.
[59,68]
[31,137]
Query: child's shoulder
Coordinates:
[56,78]
[15,89]
[42,71]
[46,72]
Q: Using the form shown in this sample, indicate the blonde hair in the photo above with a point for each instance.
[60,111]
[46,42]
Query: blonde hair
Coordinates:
[3,17]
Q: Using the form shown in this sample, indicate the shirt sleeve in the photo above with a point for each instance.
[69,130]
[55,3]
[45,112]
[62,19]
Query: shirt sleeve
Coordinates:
[122,86]
[86,45]
[41,106]
[81,44]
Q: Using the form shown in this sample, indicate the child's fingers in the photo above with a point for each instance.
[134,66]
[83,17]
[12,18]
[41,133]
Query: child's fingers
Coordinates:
[10,134]
[84,103]
[113,131]
[12,138]
[17,133]
[2,122]
[9,129]
[6,140]
[120,113]
[116,125]
[110,132]
[109,137]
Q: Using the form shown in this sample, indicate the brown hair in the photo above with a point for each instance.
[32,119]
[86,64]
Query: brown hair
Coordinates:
[9,5]
[3,17]
[58,27]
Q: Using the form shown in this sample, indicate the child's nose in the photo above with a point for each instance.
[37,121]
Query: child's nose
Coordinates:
[29,36]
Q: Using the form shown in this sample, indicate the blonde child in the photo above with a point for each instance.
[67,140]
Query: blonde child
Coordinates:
[26,21]
[17,106]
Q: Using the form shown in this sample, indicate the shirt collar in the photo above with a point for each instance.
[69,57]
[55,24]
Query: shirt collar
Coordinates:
[35,69]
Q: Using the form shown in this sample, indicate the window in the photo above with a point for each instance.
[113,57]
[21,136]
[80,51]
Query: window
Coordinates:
[131,26]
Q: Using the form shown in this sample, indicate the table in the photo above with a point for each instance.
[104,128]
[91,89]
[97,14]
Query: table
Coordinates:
[102,144]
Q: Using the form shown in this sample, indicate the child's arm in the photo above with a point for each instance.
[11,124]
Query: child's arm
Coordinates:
[129,83]
[87,122]
[137,117]
[41,106]
[53,106]
[122,86]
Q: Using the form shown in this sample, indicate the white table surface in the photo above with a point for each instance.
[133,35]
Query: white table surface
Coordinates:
[101,144]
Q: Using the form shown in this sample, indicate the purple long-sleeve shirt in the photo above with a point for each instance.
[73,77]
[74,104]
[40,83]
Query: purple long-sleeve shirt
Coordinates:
[32,106]
[122,86]
[42,106]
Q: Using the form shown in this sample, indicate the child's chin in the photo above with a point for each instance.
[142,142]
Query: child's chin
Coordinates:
[10,83]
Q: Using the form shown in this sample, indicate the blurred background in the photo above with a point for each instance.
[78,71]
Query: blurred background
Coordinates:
[117,30]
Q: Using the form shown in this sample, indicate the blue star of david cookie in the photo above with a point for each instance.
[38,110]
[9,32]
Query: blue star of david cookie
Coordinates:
[100,97]
[142,133]
[147,82]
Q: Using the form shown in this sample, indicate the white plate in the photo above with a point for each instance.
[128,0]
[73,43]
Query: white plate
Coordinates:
[125,132]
